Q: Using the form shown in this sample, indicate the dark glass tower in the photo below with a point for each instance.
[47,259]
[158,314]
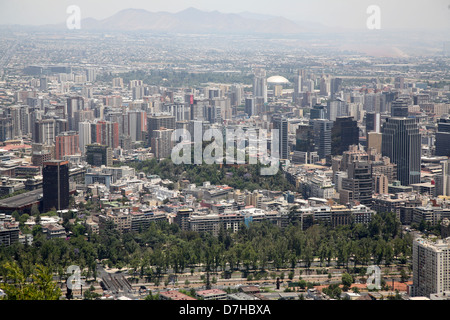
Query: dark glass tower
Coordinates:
[55,185]
[402,144]
[345,133]
[282,125]
[443,137]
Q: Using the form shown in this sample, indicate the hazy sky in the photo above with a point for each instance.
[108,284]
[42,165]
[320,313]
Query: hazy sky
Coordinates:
[418,14]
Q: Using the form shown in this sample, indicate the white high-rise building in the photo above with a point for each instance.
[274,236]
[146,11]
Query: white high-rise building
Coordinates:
[84,135]
[260,84]
[431,267]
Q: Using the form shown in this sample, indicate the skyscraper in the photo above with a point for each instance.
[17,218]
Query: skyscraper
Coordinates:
[66,144]
[281,124]
[322,136]
[161,143]
[98,155]
[260,84]
[74,104]
[157,121]
[443,137]
[401,142]
[431,267]
[55,185]
[345,133]
[399,108]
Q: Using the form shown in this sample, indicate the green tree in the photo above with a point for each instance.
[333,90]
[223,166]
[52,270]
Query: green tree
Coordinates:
[16,286]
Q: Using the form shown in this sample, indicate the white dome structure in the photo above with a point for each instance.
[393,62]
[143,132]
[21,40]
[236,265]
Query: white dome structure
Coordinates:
[277,80]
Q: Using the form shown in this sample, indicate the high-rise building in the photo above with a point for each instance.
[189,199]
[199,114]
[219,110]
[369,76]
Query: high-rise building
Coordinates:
[373,122]
[161,143]
[98,155]
[74,104]
[358,185]
[84,135]
[105,133]
[66,144]
[45,131]
[322,136]
[298,85]
[345,133]
[260,84]
[134,124]
[443,137]
[157,121]
[281,124]
[6,128]
[443,180]
[399,108]
[431,267]
[401,142]
[55,185]
[250,106]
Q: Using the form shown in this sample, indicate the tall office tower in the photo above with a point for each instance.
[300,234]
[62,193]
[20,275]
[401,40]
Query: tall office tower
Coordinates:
[117,83]
[281,124]
[237,92]
[399,83]
[325,86]
[335,86]
[260,84]
[157,121]
[345,133]
[225,108]
[112,101]
[401,142]
[74,104]
[19,121]
[443,137]
[304,138]
[298,86]
[6,128]
[45,131]
[372,102]
[135,83]
[322,136]
[98,155]
[135,125]
[43,84]
[389,97]
[66,144]
[105,133]
[431,267]
[358,185]
[82,116]
[138,92]
[84,134]
[336,108]
[181,111]
[91,74]
[373,122]
[399,108]
[161,143]
[250,106]
[318,112]
[443,180]
[55,185]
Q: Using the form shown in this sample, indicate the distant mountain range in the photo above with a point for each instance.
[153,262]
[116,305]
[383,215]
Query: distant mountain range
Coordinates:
[193,20]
